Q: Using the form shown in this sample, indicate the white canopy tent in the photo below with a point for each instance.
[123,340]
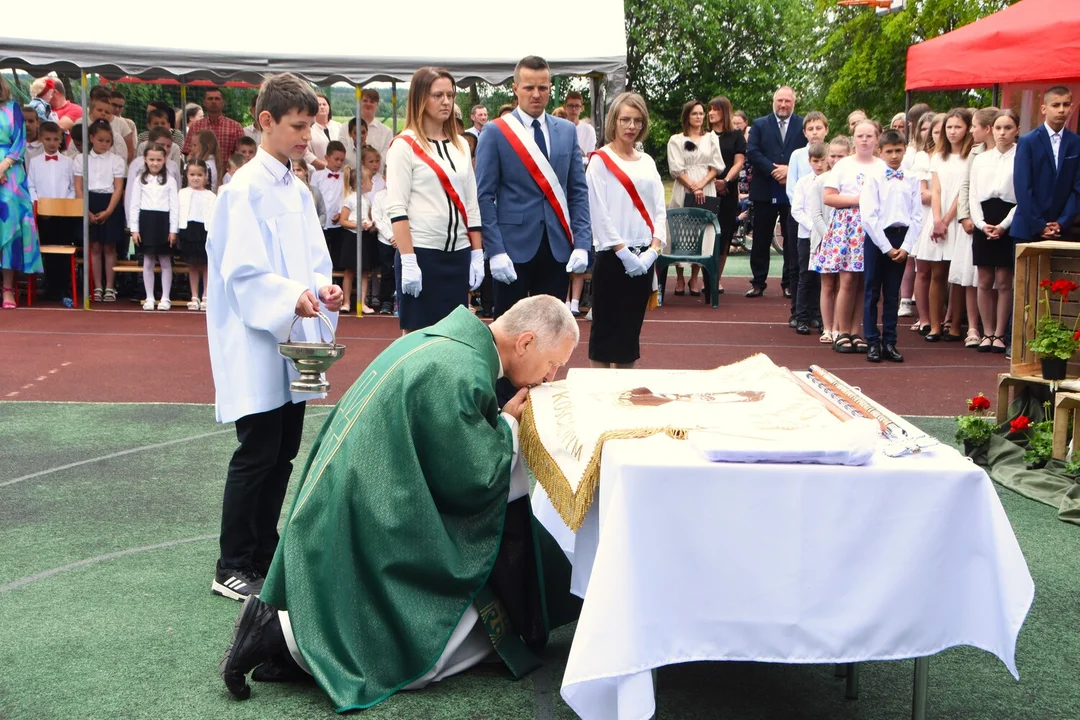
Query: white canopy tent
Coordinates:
[390,43]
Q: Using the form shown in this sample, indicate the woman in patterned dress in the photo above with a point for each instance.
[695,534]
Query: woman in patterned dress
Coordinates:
[19,251]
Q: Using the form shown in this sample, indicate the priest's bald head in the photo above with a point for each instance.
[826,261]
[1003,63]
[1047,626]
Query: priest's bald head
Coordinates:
[535,338]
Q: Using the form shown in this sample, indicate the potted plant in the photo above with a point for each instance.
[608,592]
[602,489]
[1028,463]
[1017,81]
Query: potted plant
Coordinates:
[974,429]
[1054,341]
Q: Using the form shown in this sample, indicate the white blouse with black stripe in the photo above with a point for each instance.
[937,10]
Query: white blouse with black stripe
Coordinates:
[414,193]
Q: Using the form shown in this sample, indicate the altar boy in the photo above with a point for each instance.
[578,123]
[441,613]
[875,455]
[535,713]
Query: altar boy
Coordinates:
[267,265]
[891,209]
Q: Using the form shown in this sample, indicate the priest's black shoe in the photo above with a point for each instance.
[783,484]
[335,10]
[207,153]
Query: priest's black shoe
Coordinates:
[890,353]
[257,637]
[802,328]
[873,354]
[281,668]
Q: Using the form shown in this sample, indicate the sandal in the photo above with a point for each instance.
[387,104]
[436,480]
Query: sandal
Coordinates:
[973,339]
[859,343]
[110,295]
[987,343]
[9,304]
[96,297]
[826,338]
[999,349]
[842,344]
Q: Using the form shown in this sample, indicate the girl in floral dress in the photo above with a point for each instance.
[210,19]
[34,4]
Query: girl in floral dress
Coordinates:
[841,249]
[19,251]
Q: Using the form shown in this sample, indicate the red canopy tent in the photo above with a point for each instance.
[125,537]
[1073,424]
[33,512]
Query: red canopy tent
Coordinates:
[1034,41]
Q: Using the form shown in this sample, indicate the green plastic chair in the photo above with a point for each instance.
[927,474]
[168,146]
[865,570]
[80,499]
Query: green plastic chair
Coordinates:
[686,232]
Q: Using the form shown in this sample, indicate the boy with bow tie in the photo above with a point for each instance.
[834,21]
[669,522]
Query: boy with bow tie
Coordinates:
[891,209]
[330,184]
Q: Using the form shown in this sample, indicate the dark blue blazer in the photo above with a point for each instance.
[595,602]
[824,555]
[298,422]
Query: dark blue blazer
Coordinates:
[765,149]
[513,211]
[1045,193]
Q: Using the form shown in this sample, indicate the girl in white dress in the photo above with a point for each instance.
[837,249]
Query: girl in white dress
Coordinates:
[949,170]
[928,141]
[694,160]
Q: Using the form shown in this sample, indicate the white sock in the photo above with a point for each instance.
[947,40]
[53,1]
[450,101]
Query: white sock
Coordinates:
[166,276]
[573,306]
[148,275]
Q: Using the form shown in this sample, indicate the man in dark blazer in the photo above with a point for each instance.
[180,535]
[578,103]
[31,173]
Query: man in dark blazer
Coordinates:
[1046,175]
[772,140]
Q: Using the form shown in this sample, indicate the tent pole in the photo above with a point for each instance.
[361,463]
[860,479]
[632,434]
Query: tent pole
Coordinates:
[357,281]
[87,260]
[393,102]
[996,97]
[183,108]
[907,102]
[595,89]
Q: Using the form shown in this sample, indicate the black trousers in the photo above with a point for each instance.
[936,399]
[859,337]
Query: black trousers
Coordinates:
[808,295]
[543,275]
[791,261]
[765,216]
[386,272]
[255,485]
[883,278]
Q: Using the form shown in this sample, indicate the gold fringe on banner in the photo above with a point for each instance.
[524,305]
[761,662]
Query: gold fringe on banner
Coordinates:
[572,506]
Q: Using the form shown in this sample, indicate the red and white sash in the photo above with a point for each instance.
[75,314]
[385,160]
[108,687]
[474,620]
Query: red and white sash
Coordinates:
[628,185]
[538,166]
[444,179]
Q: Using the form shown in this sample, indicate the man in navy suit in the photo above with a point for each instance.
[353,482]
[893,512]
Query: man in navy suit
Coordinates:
[534,203]
[772,140]
[1046,175]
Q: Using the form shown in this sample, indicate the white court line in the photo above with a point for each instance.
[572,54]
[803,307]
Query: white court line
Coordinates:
[130,451]
[22,582]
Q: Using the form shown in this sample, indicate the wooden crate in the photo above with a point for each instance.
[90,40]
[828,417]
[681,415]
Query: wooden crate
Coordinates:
[1035,262]
[1066,405]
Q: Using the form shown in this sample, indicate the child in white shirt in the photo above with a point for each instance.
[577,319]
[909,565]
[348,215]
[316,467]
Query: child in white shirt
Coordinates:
[154,222]
[380,218]
[807,299]
[103,179]
[196,204]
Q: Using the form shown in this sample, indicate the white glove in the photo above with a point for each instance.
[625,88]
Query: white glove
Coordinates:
[631,262]
[502,268]
[647,258]
[476,269]
[411,279]
[579,262]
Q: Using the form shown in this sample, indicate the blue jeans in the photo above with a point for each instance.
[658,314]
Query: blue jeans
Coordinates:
[883,278]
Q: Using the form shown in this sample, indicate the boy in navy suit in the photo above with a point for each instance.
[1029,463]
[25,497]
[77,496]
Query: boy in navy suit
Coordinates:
[1046,176]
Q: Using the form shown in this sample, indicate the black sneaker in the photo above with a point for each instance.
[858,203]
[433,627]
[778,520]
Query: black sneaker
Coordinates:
[792,321]
[256,635]
[386,309]
[237,584]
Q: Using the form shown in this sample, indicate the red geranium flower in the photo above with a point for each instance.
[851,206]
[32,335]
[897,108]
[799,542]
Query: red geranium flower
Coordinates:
[1045,284]
[1063,287]
[1076,336]
[1020,424]
[979,402]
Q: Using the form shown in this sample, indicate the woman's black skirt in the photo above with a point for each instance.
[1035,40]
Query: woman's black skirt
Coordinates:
[193,243]
[154,232]
[987,252]
[619,305]
[445,285]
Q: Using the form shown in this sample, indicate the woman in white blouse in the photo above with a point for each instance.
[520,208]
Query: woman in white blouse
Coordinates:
[992,202]
[694,160]
[623,275]
[436,227]
[323,130]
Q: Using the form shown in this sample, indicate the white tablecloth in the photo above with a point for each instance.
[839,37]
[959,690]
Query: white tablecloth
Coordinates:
[687,560]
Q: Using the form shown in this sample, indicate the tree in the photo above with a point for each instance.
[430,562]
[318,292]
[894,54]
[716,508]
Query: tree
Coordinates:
[861,58]
[677,50]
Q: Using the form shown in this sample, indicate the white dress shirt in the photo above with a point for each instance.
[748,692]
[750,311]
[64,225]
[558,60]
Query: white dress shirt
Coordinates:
[891,202]
[48,178]
[992,177]
[1055,141]
[33,149]
[414,193]
[104,169]
[527,121]
[820,213]
[356,217]
[265,248]
[254,133]
[614,219]
[332,187]
[320,139]
[381,217]
[120,131]
[155,197]
[586,140]
[378,137]
[798,167]
[195,206]
[135,169]
[801,208]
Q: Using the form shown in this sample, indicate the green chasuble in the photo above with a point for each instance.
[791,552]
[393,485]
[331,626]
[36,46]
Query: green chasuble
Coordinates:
[400,515]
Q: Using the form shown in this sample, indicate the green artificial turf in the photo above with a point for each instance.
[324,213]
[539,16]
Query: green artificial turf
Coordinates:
[139,635]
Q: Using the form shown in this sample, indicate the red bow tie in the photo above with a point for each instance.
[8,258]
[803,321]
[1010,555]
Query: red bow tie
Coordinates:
[51,157]
[333,176]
